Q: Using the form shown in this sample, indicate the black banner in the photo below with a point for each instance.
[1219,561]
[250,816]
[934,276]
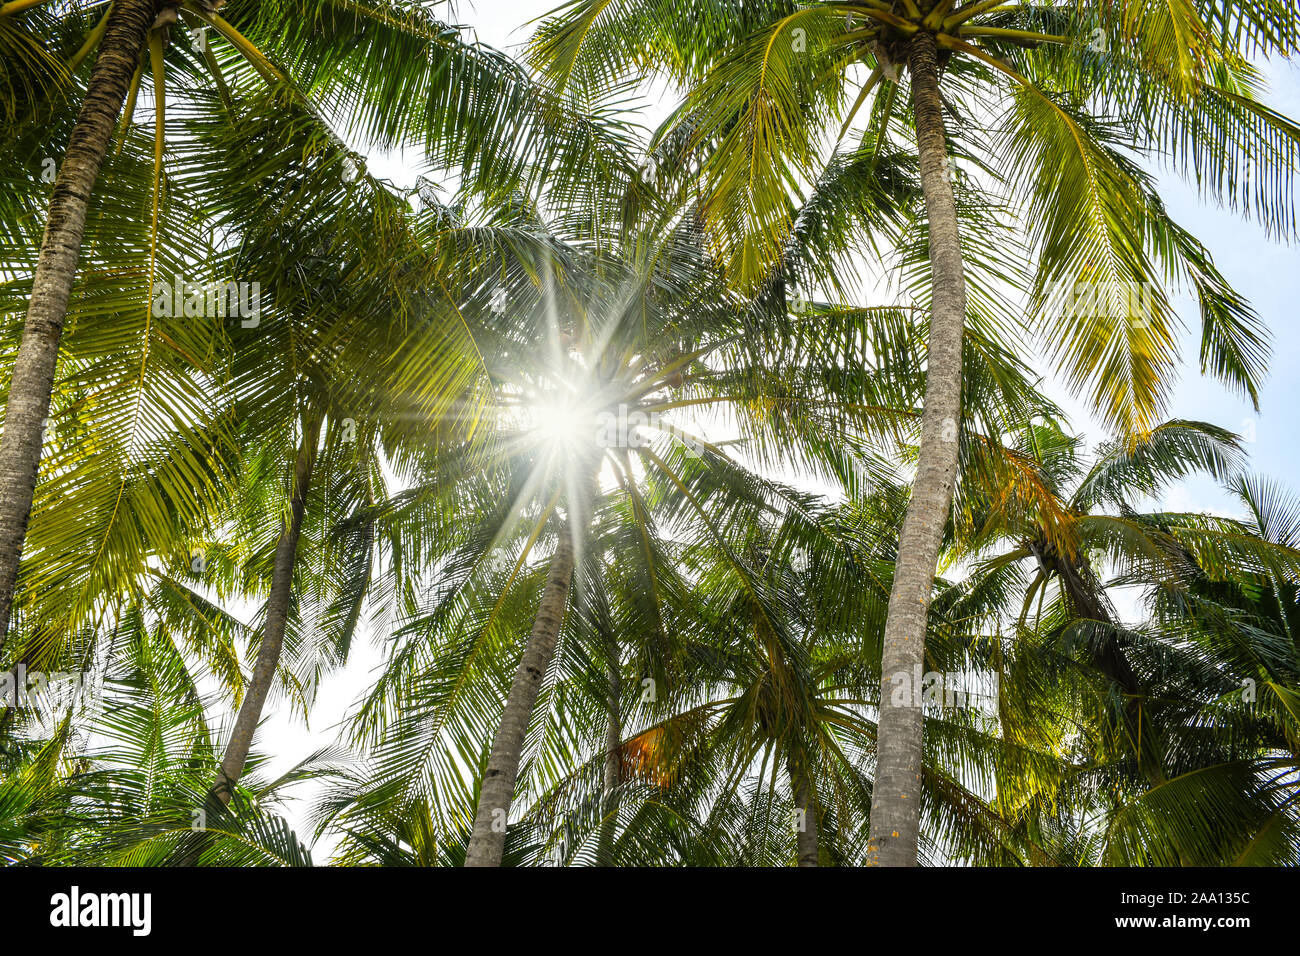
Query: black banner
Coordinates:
[952,906]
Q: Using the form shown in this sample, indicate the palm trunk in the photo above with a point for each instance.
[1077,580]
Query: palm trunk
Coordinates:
[268,653]
[33,379]
[895,805]
[1084,593]
[488,839]
[277,617]
[613,773]
[806,833]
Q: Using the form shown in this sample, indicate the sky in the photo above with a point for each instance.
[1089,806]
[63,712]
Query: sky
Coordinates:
[1266,272]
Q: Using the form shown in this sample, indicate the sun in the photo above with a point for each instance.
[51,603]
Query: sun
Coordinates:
[563,424]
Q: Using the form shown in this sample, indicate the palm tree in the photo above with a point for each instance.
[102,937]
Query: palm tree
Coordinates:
[489,835]
[626,341]
[115,780]
[467,105]
[258,220]
[790,701]
[1044,97]
[1150,713]
[1024,497]
[369,334]
[494,424]
[321,313]
[125,29]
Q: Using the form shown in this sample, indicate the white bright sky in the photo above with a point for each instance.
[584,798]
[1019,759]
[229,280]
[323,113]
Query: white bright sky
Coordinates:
[1267,273]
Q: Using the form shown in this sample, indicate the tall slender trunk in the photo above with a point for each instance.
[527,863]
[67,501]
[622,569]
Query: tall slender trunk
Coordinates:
[1086,599]
[268,653]
[613,772]
[488,839]
[29,391]
[277,618]
[806,832]
[895,804]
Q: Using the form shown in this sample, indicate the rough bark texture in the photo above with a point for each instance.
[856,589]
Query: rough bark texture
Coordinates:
[277,617]
[1086,598]
[613,773]
[33,378]
[895,806]
[488,840]
[268,653]
[806,836]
